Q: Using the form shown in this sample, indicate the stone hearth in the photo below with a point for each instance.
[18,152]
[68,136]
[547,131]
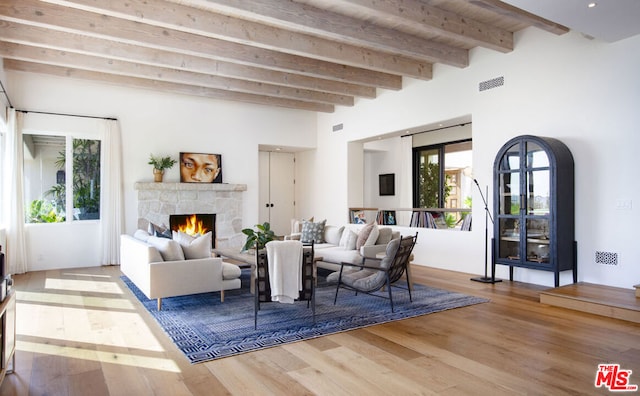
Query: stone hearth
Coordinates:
[156,201]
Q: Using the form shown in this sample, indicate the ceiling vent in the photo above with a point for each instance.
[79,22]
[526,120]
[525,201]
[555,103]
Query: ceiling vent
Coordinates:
[490,84]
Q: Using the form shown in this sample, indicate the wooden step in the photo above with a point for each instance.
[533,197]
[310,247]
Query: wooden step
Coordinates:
[613,302]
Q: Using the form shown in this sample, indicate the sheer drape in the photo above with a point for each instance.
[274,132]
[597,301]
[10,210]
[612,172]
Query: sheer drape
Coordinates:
[13,200]
[111,202]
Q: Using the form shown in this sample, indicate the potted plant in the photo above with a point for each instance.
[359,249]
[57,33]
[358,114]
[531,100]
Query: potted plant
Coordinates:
[256,239]
[159,165]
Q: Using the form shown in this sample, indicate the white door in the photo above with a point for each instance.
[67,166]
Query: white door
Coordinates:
[277,190]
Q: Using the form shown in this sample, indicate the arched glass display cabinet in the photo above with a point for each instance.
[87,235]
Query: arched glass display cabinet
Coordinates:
[534,206]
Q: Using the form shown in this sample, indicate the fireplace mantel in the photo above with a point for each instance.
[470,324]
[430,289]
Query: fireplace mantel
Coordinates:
[156,201]
[189,186]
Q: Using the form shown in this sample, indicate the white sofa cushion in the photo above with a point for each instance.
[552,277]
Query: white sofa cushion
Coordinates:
[332,234]
[141,235]
[169,249]
[348,240]
[337,254]
[194,247]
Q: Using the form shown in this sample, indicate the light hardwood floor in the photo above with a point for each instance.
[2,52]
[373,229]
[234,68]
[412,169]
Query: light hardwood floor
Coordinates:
[81,332]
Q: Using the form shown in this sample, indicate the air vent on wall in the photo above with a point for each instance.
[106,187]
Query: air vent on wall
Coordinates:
[337,127]
[607,258]
[490,84]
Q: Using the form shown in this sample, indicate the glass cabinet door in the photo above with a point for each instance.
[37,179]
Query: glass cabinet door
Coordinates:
[538,204]
[524,204]
[510,204]
[537,233]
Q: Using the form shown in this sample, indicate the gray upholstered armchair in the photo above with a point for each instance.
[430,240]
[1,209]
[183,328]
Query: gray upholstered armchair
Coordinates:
[375,274]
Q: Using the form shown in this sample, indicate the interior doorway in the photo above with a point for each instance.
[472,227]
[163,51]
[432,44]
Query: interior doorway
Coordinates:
[277,190]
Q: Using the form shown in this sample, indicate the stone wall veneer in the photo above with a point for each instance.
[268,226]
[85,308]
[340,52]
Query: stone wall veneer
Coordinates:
[156,201]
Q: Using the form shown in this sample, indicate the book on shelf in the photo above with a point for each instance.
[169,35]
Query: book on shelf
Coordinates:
[357,216]
[422,219]
[386,217]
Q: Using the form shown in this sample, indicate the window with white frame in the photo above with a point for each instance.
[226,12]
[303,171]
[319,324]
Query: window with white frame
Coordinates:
[61,178]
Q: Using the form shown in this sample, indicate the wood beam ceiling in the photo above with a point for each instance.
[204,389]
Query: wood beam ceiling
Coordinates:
[305,54]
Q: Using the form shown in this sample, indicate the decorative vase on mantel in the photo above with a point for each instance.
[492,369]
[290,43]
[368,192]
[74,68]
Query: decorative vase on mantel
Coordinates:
[159,165]
[158,174]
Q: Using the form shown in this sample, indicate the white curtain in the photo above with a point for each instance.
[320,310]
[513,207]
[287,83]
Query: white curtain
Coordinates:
[111,202]
[13,200]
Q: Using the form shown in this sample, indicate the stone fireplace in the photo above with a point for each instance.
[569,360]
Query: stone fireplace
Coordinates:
[157,201]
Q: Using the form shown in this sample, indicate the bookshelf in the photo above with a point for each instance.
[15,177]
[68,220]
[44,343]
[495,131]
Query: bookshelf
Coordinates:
[408,217]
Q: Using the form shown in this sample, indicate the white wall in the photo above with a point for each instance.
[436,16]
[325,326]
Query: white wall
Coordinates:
[582,92]
[163,124]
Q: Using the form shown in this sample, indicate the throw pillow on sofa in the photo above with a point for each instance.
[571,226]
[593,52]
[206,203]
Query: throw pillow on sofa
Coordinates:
[141,235]
[194,247]
[348,240]
[368,235]
[159,231]
[169,249]
[313,232]
[384,236]
[332,234]
[296,225]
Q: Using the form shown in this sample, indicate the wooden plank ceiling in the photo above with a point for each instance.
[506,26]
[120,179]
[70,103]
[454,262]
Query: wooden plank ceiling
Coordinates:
[303,54]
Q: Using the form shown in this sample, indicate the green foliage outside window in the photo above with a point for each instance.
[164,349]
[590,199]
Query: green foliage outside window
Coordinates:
[86,186]
[429,182]
[86,177]
[41,211]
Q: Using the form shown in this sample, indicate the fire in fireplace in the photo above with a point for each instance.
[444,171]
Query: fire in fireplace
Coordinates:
[194,224]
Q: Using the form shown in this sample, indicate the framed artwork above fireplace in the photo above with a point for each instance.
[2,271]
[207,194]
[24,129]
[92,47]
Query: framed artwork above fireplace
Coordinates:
[200,168]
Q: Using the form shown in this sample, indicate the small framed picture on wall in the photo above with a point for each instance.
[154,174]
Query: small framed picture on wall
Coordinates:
[387,184]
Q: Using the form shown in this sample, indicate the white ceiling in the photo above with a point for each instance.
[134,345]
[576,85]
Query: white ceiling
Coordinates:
[609,20]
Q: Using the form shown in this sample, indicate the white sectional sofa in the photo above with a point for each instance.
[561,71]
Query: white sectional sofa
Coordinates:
[160,269]
[339,243]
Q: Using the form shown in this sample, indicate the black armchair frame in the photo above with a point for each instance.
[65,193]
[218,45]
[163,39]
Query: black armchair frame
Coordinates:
[395,271]
[263,287]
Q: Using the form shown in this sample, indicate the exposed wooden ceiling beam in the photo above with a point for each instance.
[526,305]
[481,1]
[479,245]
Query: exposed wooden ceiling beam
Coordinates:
[517,14]
[420,16]
[301,54]
[193,20]
[322,23]
[102,26]
[40,36]
[124,68]
[164,86]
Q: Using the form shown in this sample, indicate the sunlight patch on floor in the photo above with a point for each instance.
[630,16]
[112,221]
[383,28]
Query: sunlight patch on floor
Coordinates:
[132,360]
[82,285]
[67,325]
[80,301]
[91,276]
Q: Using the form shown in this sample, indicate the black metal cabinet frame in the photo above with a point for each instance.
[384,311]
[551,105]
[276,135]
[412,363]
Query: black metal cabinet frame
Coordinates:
[534,206]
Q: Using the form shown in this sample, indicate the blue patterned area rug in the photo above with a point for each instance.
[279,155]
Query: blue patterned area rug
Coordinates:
[205,329]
